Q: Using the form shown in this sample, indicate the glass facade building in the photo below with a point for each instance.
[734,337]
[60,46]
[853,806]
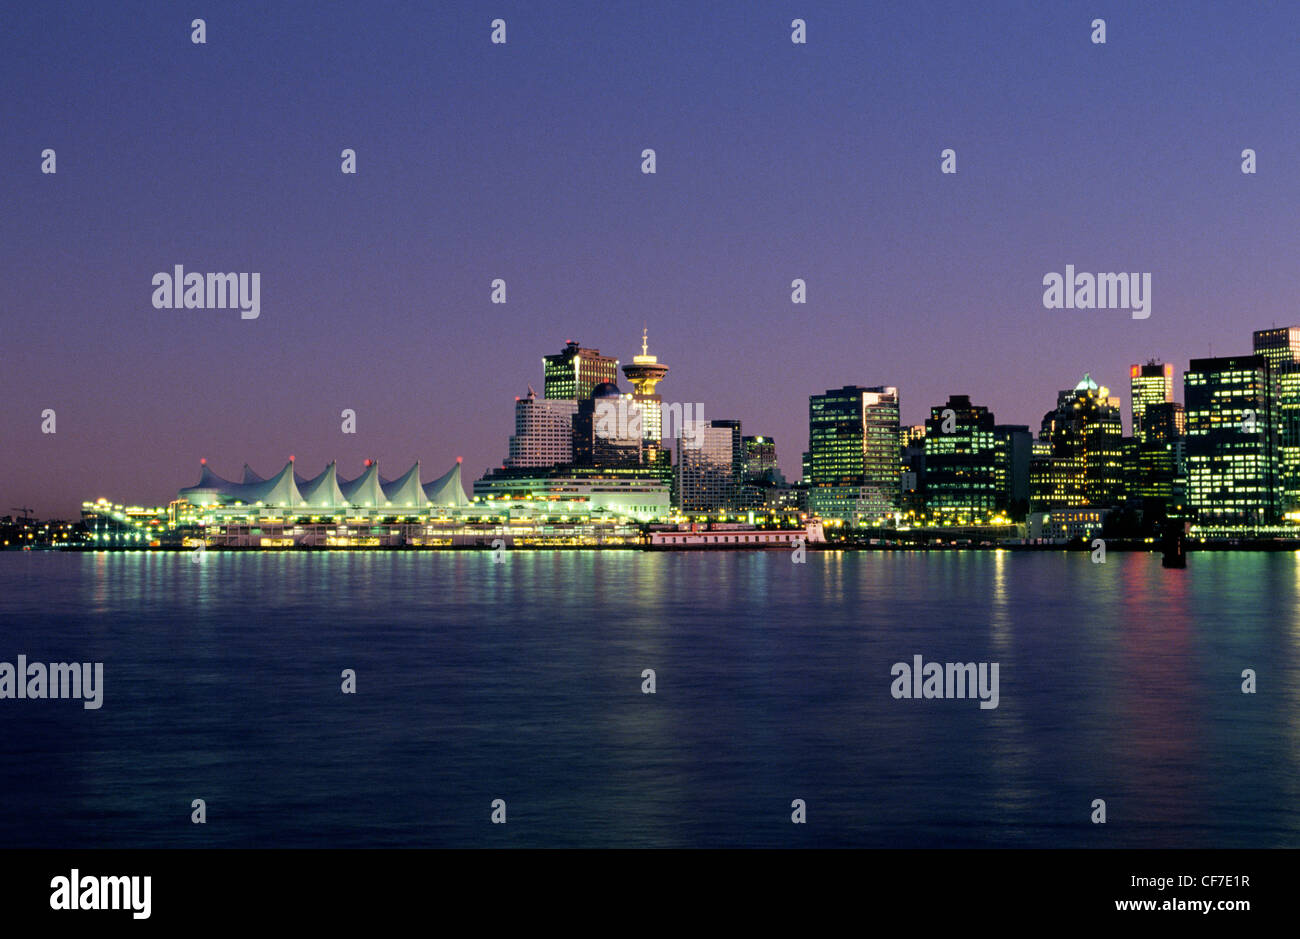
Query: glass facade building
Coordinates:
[1281,346]
[709,465]
[853,445]
[1233,465]
[576,372]
[961,474]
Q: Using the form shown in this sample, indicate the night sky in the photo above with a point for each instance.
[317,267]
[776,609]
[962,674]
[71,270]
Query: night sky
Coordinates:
[477,161]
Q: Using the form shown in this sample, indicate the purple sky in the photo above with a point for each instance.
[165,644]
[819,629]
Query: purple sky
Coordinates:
[522,161]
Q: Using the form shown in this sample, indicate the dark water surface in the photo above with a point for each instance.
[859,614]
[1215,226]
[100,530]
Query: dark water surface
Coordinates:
[522,681]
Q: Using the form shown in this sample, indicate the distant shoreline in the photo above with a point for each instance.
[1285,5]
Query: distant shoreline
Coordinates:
[1111,546]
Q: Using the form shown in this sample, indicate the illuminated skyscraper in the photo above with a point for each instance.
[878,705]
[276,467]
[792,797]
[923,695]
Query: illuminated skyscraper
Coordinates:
[853,445]
[1232,441]
[960,463]
[1085,465]
[1149,384]
[1281,346]
[760,456]
[575,372]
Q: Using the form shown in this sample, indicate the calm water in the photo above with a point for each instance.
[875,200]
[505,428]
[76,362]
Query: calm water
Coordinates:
[522,681]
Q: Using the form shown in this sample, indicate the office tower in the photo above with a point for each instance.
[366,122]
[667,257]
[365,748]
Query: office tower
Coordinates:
[1149,384]
[911,475]
[575,372]
[708,463]
[607,430]
[1232,441]
[1013,449]
[853,436]
[737,448]
[1086,461]
[1160,479]
[543,432]
[1281,346]
[762,484]
[960,463]
[760,456]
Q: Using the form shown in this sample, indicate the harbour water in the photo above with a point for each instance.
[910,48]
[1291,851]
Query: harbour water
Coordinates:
[522,681]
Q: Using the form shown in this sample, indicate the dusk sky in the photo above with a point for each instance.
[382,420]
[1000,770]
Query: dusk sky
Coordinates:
[523,161]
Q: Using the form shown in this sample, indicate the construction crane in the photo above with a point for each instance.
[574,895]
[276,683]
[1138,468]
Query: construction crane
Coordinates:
[26,510]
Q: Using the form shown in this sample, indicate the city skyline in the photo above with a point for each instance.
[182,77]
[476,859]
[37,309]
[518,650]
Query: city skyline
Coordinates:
[775,162]
[783,451]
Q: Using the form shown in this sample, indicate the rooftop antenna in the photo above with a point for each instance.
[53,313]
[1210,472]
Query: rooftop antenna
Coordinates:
[645,341]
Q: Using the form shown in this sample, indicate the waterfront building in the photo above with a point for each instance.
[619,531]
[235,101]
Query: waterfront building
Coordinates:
[709,465]
[1063,525]
[1083,434]
[1233,437]
[960,463]
[853,436]
[1281,346]
[1013,449]
[543,432]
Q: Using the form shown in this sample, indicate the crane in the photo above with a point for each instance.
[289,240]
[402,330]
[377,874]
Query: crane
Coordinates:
[26,510]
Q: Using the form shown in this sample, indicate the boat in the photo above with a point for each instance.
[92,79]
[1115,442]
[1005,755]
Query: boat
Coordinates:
[735,537]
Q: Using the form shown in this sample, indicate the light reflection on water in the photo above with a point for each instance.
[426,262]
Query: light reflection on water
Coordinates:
[523,681]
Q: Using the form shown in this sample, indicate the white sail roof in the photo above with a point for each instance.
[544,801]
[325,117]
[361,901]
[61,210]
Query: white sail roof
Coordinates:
[326,491]
[365,491]
[406,492]
[322,491]
[447,489]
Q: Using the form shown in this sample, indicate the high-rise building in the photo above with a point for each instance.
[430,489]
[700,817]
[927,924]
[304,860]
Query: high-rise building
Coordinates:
[760,456]
[1160,479]
[960,463]
[853,437]
[708,466]
[606,430]
[575,372]
[1086,462]
[1149,384]
[543,432]
[1013,445]
[762,484]
[912,471]
[1233,464]
[1281,346]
